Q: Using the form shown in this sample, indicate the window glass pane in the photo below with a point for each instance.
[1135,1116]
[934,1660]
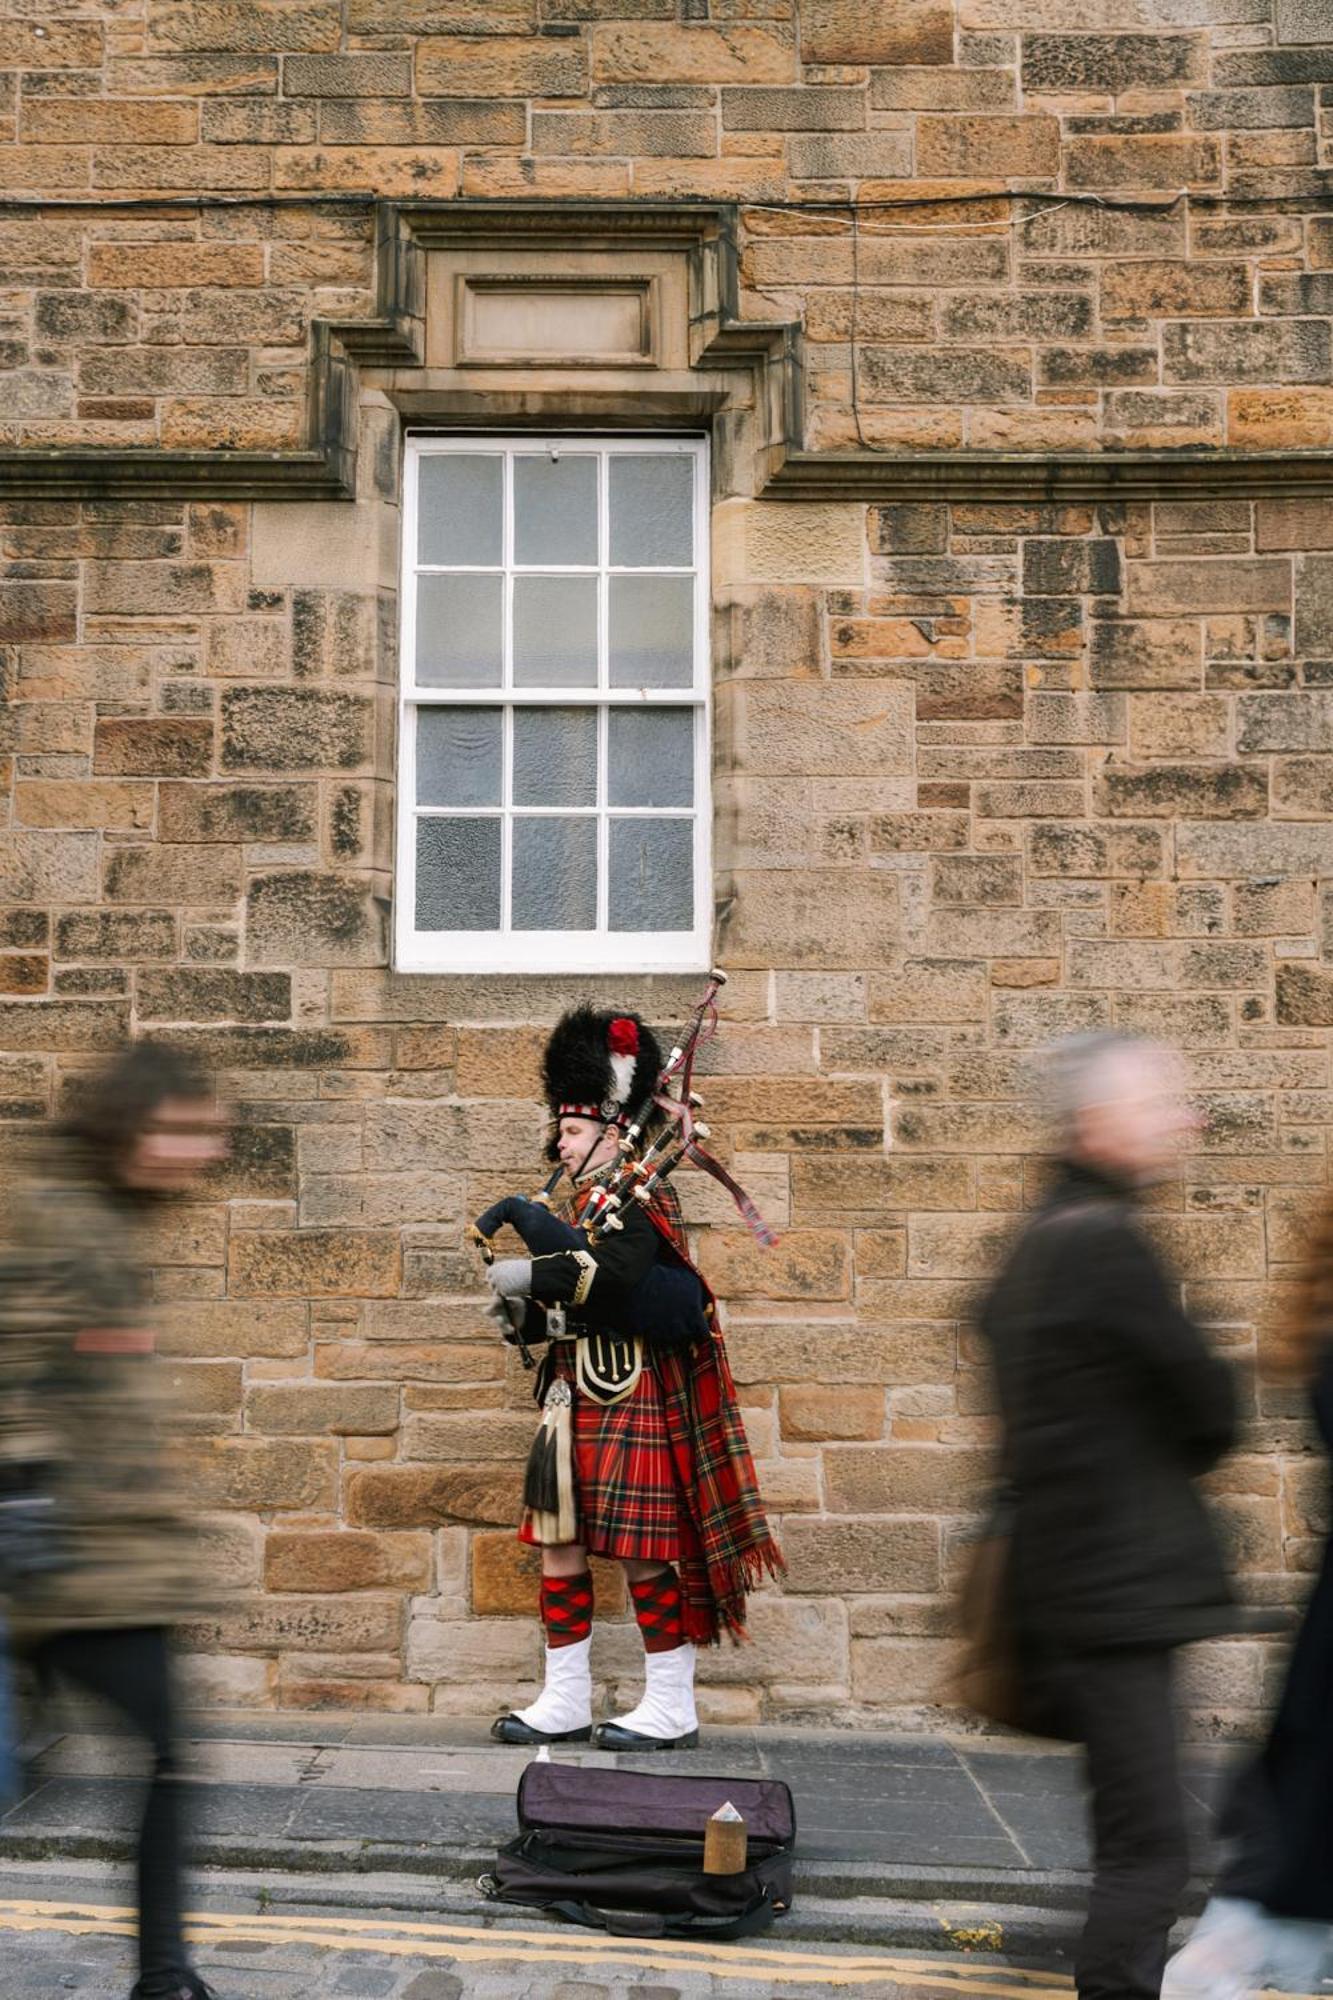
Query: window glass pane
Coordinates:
[459,631]
[555,631]
[652,510]
[459,757]
[458,874]
[459,507]
[555,509]
[650,756]
[652,875]
[555,756]
[555,875]
[652,631]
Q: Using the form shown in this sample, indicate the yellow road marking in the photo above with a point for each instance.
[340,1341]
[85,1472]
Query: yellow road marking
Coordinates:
[472,1944]
[468,1944]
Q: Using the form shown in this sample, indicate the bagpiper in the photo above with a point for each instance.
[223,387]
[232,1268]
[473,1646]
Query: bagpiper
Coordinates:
[641,1455]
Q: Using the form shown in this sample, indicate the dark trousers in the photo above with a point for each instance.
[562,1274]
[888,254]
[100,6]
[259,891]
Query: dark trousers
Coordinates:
[1118,1705]
[131,1670]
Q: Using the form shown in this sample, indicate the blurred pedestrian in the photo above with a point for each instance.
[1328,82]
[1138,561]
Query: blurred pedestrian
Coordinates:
[1271,1916]
[104,1554]
[1112,1406]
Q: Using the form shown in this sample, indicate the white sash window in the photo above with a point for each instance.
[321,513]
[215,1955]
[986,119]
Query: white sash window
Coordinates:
[553,791]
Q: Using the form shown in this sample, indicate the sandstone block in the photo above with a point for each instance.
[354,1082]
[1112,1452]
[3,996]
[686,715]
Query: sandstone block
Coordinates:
[826,917]
[1171,791]
[303,729]
[811,1412]
[206,1327]
[170,746]
[255,1476]
[316,919]
[946,374]
[360,1624]
[964,1246]
[79,802]
[161,265]
[826,1557]
[249,26]
[905,1478]
[1018,147]
[364,74]
[300,1409]
[807,1264]
[214,993]
[1111,64]
[1304,996]
[1157,160]
[798,728]
[501,66]
[1169,590]
[237,812]
[450,1651]
[171,874]
[163,587]
[433,1496]
[838,31]
[315,1263]
[1241,351]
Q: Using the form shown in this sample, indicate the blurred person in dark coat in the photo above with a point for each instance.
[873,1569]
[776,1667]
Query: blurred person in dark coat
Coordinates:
[1271,1917]
[1112,1406]
[83,1436]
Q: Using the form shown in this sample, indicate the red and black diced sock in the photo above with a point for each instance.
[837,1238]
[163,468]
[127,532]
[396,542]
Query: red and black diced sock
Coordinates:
[657,1607]
[567,1608]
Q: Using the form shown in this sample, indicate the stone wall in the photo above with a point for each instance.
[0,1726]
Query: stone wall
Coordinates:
[985,771]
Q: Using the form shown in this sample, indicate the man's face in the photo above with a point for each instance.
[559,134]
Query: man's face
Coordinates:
[1140,1117]
[584,1144]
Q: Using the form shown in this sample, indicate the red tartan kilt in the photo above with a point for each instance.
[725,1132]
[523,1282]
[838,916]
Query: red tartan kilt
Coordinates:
[628,1489]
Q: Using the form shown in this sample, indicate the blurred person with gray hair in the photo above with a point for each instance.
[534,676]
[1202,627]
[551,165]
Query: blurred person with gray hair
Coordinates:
[1112,1406]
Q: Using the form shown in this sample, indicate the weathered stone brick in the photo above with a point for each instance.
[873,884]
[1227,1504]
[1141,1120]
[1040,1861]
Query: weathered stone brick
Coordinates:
[1161,790]
[315,1263]
[837,31]
[1151,287]
[1159,160]
[171,746]
[254,1475]
[302,1409]
[302,729]
[1111,64]
[949,375]
[166,873]
[1304,996]
[877,1553]
[1243,351]
[812,1413]
[320,919]
[215,993]
[502,66]
[1027,147]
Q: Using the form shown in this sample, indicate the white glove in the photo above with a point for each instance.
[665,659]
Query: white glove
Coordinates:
[500,1311]
[510,1277]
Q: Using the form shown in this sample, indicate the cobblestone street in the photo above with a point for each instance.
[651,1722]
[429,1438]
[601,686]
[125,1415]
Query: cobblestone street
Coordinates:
[72,1934]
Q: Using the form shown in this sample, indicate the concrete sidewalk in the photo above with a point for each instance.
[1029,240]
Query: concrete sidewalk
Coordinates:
[917,1841]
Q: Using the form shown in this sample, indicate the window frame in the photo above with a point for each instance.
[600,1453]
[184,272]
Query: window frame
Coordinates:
[594,951]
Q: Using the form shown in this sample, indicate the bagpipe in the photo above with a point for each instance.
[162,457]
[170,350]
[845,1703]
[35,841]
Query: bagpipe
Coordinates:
[670,1303]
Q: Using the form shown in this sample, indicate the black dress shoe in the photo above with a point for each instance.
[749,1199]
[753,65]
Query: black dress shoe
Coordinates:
[513,1729]
[610,1736]
[182,1986]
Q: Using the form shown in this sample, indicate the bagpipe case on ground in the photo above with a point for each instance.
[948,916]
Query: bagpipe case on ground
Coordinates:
[623,1851]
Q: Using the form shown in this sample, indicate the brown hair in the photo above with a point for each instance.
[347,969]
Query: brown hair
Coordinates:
[1306,1326]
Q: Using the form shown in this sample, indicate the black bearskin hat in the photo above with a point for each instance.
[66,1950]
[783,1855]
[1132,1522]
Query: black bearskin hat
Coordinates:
[600,1065]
